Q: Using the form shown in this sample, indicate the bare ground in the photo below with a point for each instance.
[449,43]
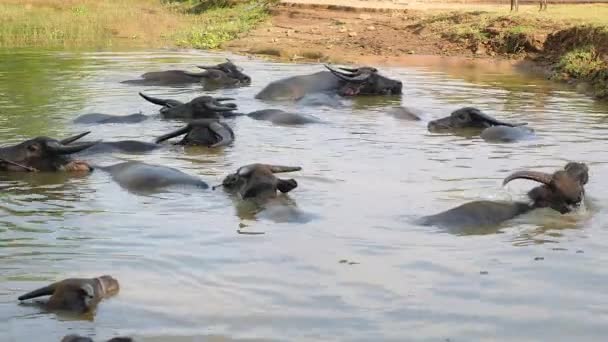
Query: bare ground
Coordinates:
[350,34]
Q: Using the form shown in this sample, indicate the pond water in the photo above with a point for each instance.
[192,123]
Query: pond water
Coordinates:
[185,273]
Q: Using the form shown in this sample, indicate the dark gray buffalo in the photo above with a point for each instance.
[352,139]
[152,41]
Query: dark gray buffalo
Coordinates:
[562,191]
[344,82]
[202,107]
[491,129]
[281,117]
[226,74]
[142,177]
[202,132]
[77,338]
[99,118]
[45,154]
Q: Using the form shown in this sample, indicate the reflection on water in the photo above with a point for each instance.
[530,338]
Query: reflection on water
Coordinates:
[187,274]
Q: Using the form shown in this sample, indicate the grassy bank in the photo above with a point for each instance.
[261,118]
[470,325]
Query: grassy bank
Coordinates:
[86,24]
[571,40]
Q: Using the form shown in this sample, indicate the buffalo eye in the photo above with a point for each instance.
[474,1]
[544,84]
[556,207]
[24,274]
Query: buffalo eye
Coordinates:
[33,148]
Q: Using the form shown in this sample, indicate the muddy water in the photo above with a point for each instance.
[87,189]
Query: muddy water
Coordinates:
[185,273]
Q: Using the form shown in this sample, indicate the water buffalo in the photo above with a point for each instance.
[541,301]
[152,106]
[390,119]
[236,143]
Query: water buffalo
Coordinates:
[77,338]
[491,128]
[257,181]
[141,177]
[202,107]
[224,74]
[98,118]
[561,191]
[77,295]
[345,82]
[122,146]
[281,117]
[205,132]
[44,154]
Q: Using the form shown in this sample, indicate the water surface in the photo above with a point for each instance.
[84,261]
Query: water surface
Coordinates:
[352,266]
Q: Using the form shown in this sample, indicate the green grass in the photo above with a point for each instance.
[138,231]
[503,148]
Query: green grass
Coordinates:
[218,25]
[86,24]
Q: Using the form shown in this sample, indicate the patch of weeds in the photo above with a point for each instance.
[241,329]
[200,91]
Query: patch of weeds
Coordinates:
[581,63]
[584,64]
[266,51]
[316,55]
[216,26]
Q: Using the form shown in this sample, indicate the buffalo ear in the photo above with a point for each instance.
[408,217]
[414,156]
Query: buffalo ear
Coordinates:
[286,185]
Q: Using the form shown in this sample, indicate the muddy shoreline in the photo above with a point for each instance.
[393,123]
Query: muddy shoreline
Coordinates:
[395,37]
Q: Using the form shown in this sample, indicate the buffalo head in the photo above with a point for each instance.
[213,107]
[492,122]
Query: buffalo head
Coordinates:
[199,107]
[467,117]
[225,73]
[365,81]
[44,154]
[562,191]
[258,181]
[205,132]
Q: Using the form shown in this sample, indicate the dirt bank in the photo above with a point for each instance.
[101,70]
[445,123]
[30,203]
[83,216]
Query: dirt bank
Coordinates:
[382,35]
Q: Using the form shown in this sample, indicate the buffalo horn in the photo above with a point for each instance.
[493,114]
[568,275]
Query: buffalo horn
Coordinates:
[223,108]
[280,169]
[73,138]
[540,177]
[495,122]
[58,148]
[348,78]
[173,134]
[224,134]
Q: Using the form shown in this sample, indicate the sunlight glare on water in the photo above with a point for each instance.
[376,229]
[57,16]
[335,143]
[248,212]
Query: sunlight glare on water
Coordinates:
[187,275]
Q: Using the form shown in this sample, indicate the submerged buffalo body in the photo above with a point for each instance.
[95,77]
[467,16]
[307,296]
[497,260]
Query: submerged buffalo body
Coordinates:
[490,129]
[138,176]
[345,82]
[220,75]
[123,146]
[99,118]
[281,117]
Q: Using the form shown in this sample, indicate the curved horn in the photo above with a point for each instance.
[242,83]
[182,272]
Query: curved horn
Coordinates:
[43,291]
[174,134]
[280,169]
[540,177]
[338,74]
[73,138]
[493,121]
[58,148]
[197,74]
[224,133]
[246,170]
[208,67]
[216,108]
[349,69]
[154,100]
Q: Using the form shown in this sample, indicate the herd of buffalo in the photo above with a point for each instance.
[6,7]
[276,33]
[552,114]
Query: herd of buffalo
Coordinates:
[207,123]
